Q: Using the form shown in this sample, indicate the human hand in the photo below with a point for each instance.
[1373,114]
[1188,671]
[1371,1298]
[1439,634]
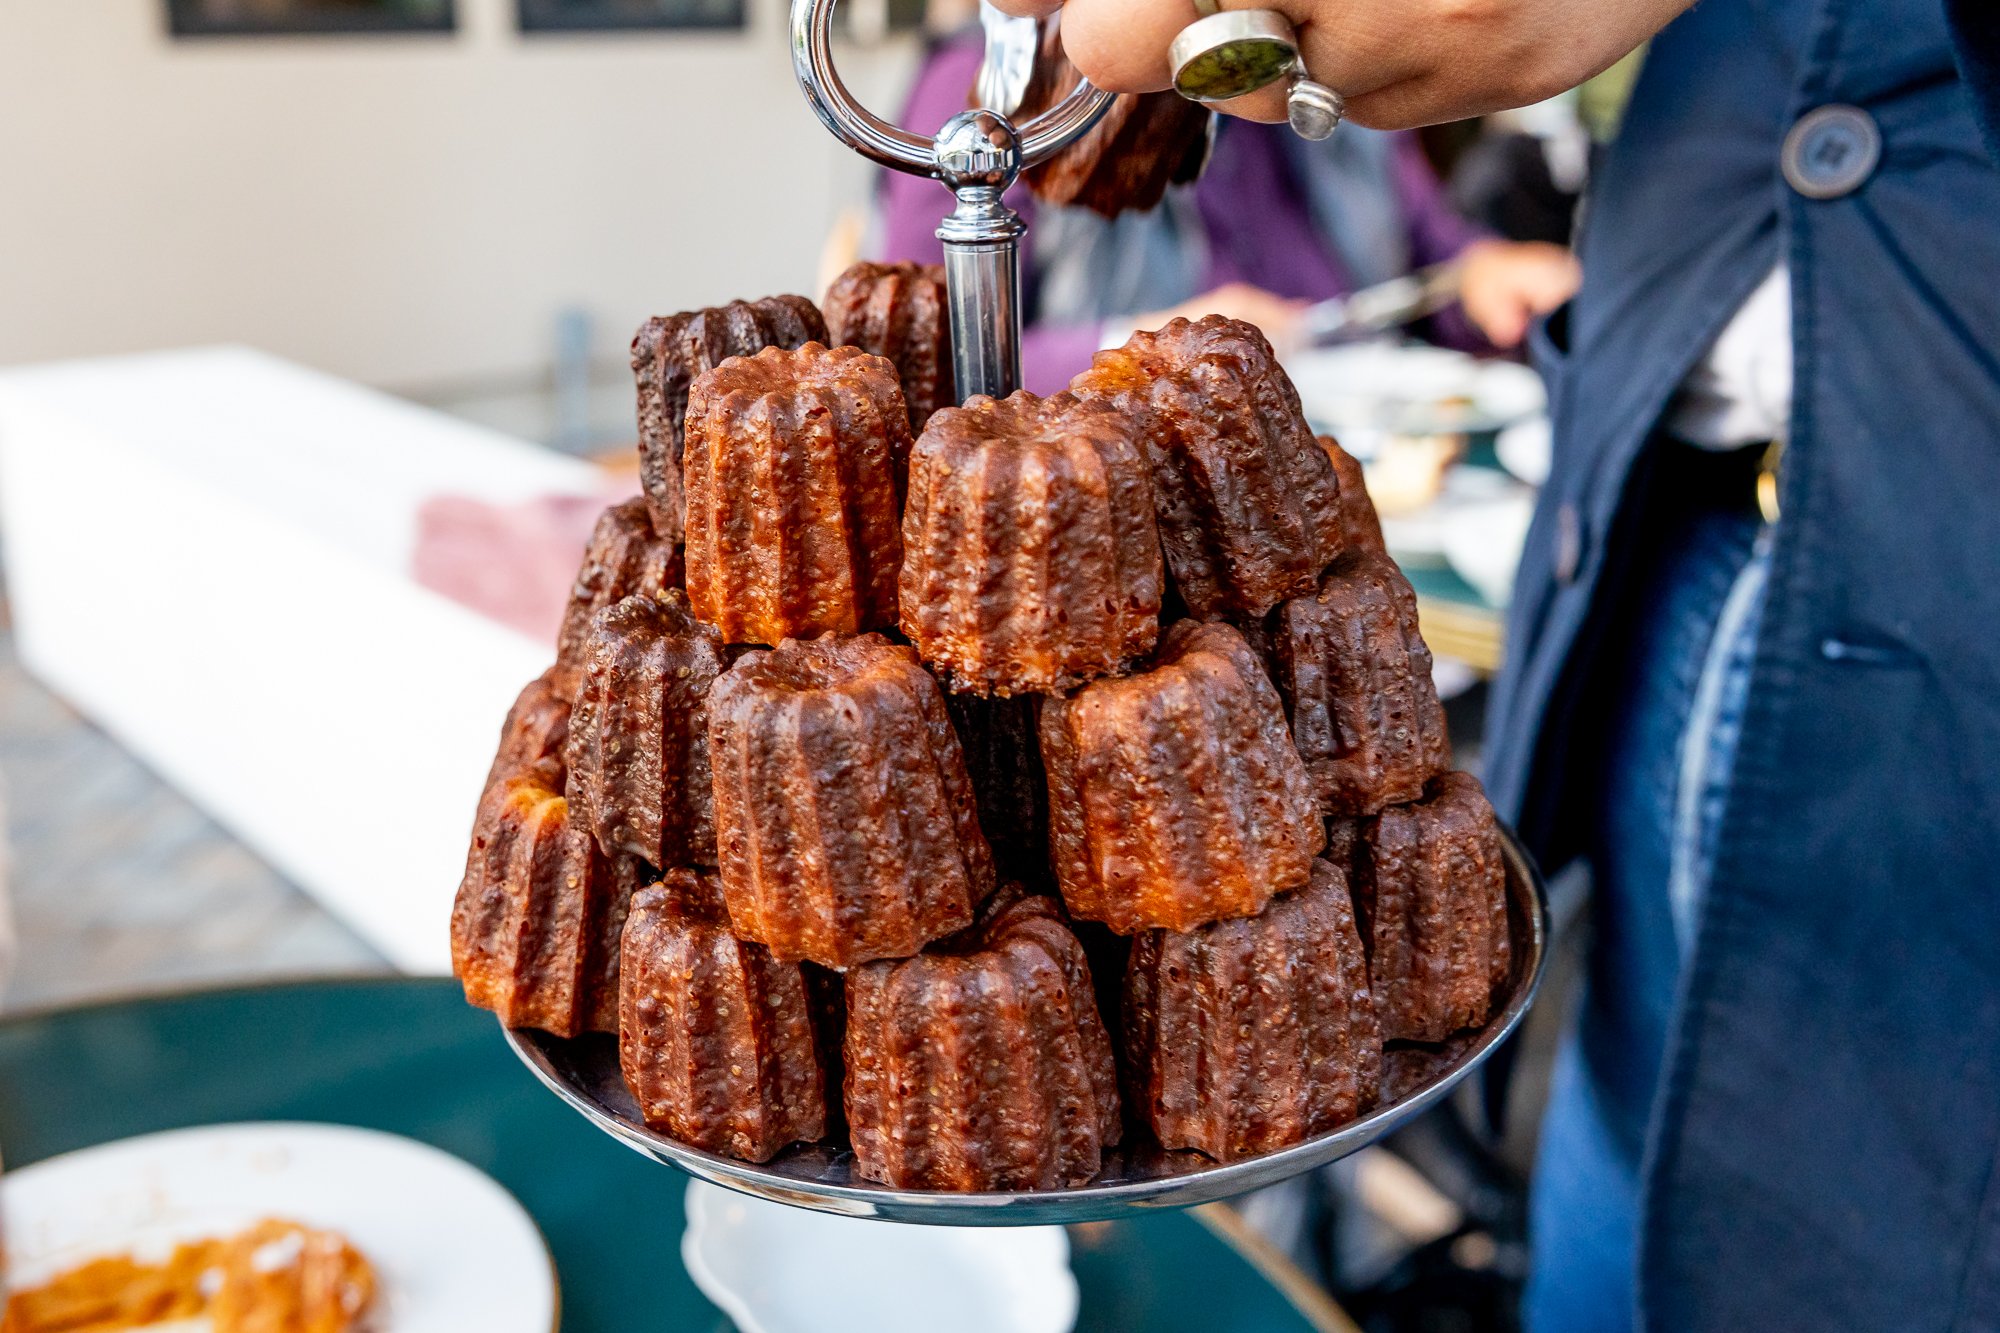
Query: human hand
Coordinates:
[1398,63]
[1506,284]
[1276,316]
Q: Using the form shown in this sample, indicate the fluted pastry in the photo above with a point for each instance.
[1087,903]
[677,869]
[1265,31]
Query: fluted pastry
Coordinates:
[1143,143]
[715,1037]
[1431,886]
[1248,503]
[638,737]
[1360,525]
[898,311]
[522,922]
[1031,558]
[670,350]
[844,816]
[1175,796]
[535,732]
[795,463]
[1250,1035]
[1356,676]
[625,556]
[981,1064]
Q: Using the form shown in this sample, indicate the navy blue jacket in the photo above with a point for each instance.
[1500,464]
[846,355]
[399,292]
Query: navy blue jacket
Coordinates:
[1826,1152]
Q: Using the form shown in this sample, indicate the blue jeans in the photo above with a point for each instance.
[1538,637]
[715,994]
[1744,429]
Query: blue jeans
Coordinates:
[1682,663]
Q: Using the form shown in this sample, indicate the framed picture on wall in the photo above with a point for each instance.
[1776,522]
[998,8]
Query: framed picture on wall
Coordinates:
[253,18]
[626,15]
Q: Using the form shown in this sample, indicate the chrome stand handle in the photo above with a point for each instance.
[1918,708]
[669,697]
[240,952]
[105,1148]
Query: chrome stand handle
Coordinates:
[977,156]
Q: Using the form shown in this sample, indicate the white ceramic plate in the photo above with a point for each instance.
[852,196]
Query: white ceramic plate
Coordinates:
[452,1250]
[775,1269]
[1363,389]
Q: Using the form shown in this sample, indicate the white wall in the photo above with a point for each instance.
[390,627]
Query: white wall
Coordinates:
[408,211]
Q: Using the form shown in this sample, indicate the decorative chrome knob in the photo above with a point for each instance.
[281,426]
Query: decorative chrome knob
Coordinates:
[977,150]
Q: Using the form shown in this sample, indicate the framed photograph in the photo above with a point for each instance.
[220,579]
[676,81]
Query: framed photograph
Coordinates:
[627,15]
[257,18]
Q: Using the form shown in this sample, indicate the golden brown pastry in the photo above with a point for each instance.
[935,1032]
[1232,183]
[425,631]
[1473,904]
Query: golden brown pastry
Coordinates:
[982,1063]
[638,735]
[625,556]
[1248,503]
[1356,676]
[1031,559]
[1431,887]
[533,892]
[898,311]
[1175,796]
[670,350]
[795,463]
[844,815]
[715,1036]
[1250,1035]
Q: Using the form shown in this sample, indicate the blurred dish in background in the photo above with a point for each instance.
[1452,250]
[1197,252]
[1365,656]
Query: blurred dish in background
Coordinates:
[1364,392]
[1483,539]
[776,1269]
[1525,449]
[451,1250]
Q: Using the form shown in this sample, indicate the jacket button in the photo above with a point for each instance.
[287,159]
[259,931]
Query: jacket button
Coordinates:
[1831,151]
[1569,543]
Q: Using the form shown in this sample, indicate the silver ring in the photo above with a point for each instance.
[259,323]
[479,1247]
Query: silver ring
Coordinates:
[1314,110]
[1232,53]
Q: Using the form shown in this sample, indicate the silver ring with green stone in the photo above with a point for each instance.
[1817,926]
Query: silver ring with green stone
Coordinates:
[1231,53]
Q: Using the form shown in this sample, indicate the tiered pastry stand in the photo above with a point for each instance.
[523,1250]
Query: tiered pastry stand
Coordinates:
[977,156]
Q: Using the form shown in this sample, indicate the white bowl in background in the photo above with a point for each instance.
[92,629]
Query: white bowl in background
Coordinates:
[775,1269]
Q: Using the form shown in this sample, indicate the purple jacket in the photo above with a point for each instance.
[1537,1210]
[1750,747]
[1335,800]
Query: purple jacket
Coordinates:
[1271,242]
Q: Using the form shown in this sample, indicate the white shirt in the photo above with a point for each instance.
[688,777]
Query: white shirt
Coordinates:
[1741,391]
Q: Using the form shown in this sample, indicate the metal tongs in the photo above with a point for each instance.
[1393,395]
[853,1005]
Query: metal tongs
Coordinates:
[1386,305]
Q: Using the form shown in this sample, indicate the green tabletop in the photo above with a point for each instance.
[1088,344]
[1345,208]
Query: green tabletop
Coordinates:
[410,1057]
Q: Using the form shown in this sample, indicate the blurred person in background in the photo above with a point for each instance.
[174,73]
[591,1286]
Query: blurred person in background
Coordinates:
[1754,651]
[1274,224]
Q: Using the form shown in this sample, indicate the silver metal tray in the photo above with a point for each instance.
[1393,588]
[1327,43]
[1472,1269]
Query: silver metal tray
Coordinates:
[584,1072]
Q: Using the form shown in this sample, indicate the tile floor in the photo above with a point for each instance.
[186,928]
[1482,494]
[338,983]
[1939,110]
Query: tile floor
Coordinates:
[119,884]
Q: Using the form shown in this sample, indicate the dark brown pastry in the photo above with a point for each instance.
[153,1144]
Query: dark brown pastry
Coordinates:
[898,311]
[1003,757]
[1175,796]
[638,737]
[715,1037]
[1031,559]
[533,891]
[1141,145]
[981,1064]
[1248,1036]
[1431,887]
[670,350]
[1248,502]
[535,732]
[1356,676]
[625,556]
[795,463]
[1360,525]
[844,816]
